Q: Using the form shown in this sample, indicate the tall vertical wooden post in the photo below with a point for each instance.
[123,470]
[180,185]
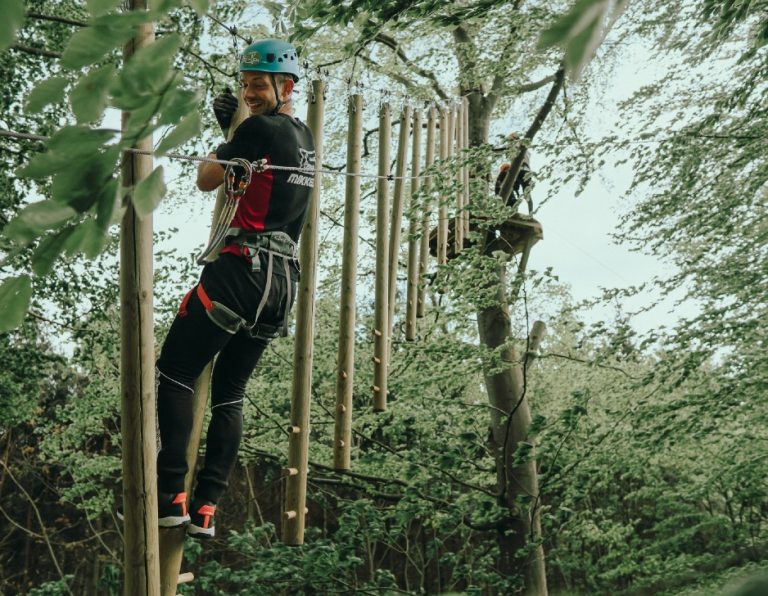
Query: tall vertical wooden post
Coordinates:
[412,296]
[465,144]
[442,210]
[395,228]
[346,358]
[381,318]
[298,439]
[137,371]
[429,160]
[172,539]
[458,235]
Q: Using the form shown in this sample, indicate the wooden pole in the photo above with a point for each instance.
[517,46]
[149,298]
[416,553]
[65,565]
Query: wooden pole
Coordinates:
[458,234]
[346,358]
[413,234]
[395,228]
[442,210]
[298,442]
[465,101]
[424,245]
[137,371]
[172,539]
[381,323]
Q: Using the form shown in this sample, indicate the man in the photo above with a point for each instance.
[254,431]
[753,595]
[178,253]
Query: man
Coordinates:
[521,187]
[244,296]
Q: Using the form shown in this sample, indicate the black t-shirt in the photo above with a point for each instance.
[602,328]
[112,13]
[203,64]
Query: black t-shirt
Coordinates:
[275,200]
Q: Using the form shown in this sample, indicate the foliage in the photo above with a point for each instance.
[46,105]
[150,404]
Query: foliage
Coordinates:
[652,475]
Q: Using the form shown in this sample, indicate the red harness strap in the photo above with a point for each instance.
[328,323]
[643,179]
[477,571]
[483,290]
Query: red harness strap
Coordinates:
[183,306]
[206,302]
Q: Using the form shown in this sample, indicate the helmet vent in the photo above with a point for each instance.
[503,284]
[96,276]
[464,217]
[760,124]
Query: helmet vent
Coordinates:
[270,57]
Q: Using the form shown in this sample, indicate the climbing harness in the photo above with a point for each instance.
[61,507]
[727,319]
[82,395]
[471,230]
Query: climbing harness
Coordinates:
[235,187]
[273,245]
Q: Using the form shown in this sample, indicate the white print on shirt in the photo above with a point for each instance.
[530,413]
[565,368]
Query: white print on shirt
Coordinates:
[307,163]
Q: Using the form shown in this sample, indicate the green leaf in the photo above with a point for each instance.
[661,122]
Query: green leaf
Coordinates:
[49,249]
[80,187]
[100,7]
[91,44]
[87,238]
[47,92]
[161,7]
[200,6]
[108,204]
[89,97]
[570,24]
[79,140]
[15,294]
[581,47]
[10,23]
[36,218]
[178,104]
[187,129]
[148,70]
[43,165]
[149,192]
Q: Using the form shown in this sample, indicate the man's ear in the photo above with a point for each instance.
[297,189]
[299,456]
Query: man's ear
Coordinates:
[288,85]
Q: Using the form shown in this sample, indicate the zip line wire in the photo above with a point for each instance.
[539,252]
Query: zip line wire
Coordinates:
[258,166]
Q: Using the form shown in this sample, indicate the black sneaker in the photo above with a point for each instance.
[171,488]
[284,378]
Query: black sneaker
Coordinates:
[201,523]
[171,510]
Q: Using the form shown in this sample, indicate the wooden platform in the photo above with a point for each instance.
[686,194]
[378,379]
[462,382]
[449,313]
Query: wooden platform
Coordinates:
[510,236]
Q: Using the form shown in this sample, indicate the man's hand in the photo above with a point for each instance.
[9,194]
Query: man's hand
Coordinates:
[224,108]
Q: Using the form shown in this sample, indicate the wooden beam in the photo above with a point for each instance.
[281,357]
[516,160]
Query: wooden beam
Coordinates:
[395,227]
[412,293]
[424,243]
[346,355]
[298,442]
[137,370]
[381,319]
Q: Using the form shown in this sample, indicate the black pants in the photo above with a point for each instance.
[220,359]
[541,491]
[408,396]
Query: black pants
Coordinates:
[192,342]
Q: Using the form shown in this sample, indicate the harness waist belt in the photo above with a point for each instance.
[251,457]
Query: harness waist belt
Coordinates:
[276,242]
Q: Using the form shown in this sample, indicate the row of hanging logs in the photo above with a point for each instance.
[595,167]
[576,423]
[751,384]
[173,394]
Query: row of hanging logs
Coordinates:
[447,131]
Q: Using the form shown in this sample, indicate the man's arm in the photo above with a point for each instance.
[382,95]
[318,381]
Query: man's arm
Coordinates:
[209,175]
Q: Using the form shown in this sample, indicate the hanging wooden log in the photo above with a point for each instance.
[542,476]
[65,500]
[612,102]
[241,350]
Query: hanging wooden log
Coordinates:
[346,355]
[442,210]
[424,242]
[459,144]
[137,369]
[412,295]
[298,442]
[465,101]
[395,227]
[381,322]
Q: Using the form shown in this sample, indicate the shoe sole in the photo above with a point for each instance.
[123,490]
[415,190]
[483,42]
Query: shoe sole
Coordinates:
[200,533]
[173,521]
[165,522]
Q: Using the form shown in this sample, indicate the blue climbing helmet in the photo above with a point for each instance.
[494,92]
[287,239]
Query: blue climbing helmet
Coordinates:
[271,55]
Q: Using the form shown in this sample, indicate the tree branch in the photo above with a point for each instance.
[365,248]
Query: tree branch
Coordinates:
[528,87]
[407,83]
[393,45]
[35,51]
[538,121]
[45,17]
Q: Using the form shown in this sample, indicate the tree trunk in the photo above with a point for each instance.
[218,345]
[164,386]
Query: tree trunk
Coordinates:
[506,394]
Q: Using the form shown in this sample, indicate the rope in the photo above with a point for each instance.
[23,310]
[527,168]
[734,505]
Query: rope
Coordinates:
[258,166]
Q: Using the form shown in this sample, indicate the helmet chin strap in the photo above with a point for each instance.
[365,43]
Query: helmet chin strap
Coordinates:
[280,103]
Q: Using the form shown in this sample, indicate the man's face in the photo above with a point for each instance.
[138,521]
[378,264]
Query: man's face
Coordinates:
[258,92]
